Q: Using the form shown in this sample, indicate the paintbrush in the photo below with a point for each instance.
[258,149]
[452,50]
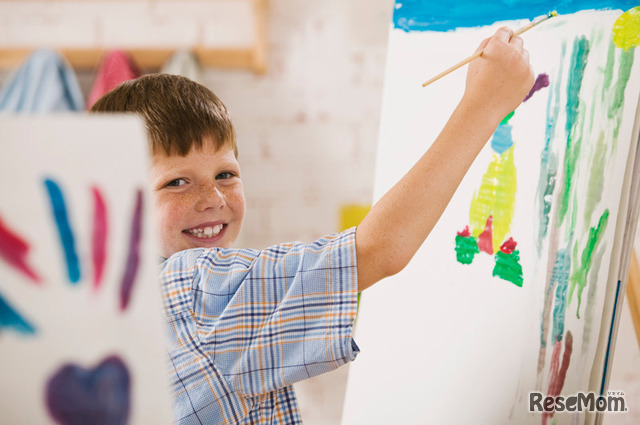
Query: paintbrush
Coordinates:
[476,55]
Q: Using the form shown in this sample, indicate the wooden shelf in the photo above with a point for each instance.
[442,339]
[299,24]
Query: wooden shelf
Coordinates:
[147,59]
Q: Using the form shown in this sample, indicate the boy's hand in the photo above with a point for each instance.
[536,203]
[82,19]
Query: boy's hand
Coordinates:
[499,80]
[497,83]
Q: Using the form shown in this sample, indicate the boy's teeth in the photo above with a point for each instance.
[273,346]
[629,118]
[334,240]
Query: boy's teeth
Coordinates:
[206,232]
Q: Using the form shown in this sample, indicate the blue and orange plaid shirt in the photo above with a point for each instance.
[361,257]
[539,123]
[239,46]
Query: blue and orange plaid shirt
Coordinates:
[244,325]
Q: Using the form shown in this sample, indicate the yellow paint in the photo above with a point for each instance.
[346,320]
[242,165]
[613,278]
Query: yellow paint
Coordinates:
[496,197]
[352,215]
[626,29]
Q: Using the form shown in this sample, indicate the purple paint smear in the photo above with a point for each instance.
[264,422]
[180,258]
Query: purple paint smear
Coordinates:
[101,396]
[542,81]
[99,237]
[133,259]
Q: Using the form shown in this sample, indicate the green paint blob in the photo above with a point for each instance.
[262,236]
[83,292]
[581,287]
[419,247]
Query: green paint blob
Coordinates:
[579,277]
[626,29]
[466,249]
[506,119]
[508,267]
[624,72]
[596,179]
[496,197]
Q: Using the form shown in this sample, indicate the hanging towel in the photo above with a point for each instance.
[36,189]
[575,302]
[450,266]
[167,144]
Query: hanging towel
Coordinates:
[184,63]
[116,67]
[44,83]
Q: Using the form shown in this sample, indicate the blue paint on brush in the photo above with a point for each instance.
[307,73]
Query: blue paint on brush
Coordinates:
[10,318]
[59,209]
[502,139]
[420,15]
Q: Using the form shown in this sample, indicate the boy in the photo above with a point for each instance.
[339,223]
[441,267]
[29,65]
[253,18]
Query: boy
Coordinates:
[244,325]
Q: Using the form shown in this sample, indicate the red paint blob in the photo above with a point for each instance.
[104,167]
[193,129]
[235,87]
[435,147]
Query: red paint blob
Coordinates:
[14,250]
[508,246]
[485,240]
[465,233]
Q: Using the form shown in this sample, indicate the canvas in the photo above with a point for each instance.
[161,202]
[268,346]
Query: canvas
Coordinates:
[80,310]
[514,290]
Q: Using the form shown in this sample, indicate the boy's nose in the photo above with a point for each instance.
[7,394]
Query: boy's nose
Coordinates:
[210,197]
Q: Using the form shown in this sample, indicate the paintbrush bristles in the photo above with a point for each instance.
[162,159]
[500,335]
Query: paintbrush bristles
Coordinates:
[479,53]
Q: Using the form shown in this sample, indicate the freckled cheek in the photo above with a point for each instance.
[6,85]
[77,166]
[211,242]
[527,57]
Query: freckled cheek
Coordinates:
[171,212]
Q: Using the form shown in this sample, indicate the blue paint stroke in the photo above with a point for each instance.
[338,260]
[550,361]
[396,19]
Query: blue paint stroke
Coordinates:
[133,259]
[560,275]
[10,318]
[421,15]
[67,240]
[502,140]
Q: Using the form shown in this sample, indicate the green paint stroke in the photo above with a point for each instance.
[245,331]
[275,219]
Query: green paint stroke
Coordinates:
[617,101]
[496,197]
[575,120]
[626,29]
[506,119]
[608,70]
[508,267]
[596,179]
[591,298]
[466,249]
[579,277]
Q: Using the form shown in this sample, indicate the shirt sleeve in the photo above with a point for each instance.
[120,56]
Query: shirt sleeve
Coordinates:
[270,318]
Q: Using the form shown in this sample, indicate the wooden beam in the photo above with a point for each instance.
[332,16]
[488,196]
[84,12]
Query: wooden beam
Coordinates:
[633,294]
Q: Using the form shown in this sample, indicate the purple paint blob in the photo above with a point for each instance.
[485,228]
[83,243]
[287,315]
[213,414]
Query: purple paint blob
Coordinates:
[99,237]
[542,80]
[100,396]
[133,259]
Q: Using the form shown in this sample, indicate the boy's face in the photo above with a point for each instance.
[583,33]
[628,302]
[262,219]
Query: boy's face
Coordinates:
[199,199]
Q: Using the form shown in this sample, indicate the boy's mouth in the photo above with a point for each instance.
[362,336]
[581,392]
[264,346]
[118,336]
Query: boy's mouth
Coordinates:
[205,232]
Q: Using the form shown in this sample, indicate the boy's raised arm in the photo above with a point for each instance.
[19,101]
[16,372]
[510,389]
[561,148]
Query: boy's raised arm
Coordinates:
[401,220]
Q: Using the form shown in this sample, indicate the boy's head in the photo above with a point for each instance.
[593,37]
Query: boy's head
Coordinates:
[195,174]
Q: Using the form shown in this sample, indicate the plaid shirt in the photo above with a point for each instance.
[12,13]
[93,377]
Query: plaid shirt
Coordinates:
[244,325]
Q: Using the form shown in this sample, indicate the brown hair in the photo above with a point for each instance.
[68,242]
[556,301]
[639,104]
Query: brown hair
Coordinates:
[179,113]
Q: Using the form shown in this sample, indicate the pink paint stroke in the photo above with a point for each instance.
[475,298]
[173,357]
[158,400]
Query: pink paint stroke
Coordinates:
[485,240]
[133,259]
[99,239]
[558,376]
[14,250]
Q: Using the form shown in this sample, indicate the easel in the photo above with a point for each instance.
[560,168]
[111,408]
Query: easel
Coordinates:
[633,294]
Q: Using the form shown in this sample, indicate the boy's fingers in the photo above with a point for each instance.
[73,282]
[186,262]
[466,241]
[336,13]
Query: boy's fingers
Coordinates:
[504,34]
[517,43]
[483,44]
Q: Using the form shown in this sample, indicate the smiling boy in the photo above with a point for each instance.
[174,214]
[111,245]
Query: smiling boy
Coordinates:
[244,325]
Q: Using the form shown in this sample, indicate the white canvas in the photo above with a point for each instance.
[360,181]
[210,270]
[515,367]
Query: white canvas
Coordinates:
[444,342]
[79,323]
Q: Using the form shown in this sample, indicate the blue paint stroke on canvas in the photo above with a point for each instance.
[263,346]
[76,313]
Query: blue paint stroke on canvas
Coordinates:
[420,15]
[59,209]
[10,318]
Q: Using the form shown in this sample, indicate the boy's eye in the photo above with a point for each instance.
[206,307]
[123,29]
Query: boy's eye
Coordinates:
[176,183]
[225,175]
